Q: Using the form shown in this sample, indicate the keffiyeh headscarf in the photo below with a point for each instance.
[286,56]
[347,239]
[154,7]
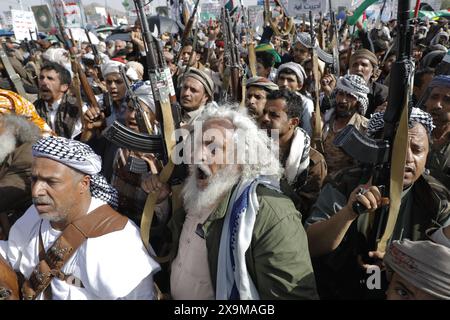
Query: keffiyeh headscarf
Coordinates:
[81,157]
[376,122]
[356,86]
[440,81]
[424,264]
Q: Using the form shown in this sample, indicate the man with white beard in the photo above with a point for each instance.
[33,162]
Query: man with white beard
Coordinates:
[17,134]
[238,236]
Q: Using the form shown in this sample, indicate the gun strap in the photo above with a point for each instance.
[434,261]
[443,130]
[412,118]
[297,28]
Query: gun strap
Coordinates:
[396,181]
[13,76]
[150,203]
[101,221]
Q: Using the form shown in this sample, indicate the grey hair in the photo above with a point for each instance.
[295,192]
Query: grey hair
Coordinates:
[258,156]
[23,129]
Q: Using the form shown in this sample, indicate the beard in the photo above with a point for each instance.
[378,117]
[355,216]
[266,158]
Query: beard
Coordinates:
[344,112]
[197,200]
[52,217]
[7,144]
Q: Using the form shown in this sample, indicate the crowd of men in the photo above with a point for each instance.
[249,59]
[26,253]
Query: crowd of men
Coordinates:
[263,224]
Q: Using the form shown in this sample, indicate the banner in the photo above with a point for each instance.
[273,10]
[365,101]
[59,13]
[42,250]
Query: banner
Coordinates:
[71,12]
[23,22]
[43,18]
[297,8]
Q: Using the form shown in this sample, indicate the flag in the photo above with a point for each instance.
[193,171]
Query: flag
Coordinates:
[109,20]
[359,11]
[231,7]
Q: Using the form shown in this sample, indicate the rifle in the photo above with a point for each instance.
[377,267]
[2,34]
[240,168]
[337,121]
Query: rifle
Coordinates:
[317,131]
[187,30]
[92,102]
[97,59]
[12,75]
[334,44]
[233,55]
[321,36]
[382,155]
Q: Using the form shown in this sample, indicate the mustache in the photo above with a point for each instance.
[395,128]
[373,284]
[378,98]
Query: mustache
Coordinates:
[205,169]
[42,200]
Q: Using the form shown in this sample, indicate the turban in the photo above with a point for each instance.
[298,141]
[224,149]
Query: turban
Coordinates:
[364,54]
[135,70]
[11,102]
[262,83]
[143,91]
[424,264]
[111,66]
[436,38]
[268,47]
[376,122]
[440,81]
[201,76]
[356,86]
[81,157]
[298,69]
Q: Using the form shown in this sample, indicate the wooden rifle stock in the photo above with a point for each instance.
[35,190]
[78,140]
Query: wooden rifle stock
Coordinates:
[317,129]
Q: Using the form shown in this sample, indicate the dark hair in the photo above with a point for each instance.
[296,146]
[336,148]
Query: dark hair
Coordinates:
[64,74]
[294,102]
[265,58]
[418,76]
[289,71]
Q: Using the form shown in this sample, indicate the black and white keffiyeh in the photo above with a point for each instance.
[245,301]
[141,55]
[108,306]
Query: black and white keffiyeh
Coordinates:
[356,86]
[81,157]
[376,122]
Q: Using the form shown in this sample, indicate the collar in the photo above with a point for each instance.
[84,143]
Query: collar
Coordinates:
[54,106]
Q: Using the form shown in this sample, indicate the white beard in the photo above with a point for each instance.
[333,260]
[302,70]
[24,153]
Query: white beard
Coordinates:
[198,201]
[7,144]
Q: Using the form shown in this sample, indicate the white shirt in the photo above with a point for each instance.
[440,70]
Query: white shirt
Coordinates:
[113,266]
[53,109]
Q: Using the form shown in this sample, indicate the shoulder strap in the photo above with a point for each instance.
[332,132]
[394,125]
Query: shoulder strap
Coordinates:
[101,221]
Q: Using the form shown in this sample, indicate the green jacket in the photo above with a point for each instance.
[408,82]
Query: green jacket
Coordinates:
[278,259]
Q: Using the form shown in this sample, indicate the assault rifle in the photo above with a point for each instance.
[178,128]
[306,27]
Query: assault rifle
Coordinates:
[12,75]
[378,154]
[187,31]
[91,100]
[334,43]
[317,131]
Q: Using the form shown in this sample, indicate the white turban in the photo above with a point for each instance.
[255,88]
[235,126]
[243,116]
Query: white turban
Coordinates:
[111,66]
[143,92]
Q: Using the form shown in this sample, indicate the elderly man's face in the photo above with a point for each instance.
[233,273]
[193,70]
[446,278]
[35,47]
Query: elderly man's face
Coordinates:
[119,45]
[301,53]
[416,155]
[438,105]
[255,101]
[56,189]
[116,87]
[215,151]
[288,82]
[50,87]
[400,289]
[362,67]
[192,94]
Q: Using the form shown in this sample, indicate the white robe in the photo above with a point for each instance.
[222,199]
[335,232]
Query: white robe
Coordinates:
[113,266]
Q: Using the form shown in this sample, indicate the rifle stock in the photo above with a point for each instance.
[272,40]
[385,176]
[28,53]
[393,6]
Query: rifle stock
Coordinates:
[317,130]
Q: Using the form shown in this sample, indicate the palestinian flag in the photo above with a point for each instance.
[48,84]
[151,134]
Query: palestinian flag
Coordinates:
[231,6]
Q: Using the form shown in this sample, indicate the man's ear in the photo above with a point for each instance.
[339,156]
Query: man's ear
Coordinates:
[85,183]
[64,88]
[294,122]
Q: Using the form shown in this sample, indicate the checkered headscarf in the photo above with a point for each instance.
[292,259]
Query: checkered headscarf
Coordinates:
[356,86]
[81,157]
[376,122]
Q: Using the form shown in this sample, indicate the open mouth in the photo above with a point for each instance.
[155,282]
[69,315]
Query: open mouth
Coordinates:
[409,170]
[203,172]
